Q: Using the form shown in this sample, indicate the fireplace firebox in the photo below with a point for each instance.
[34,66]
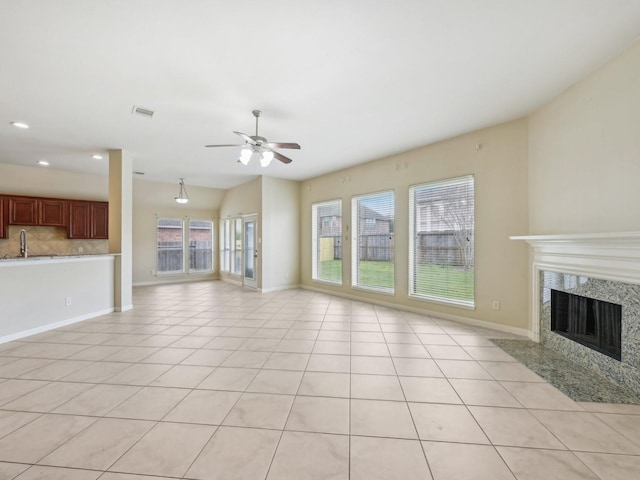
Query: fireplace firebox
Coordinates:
[593,323]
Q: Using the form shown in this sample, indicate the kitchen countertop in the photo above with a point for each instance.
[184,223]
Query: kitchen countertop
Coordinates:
[37,258]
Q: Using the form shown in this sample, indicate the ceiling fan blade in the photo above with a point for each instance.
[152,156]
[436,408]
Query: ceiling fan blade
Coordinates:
[283,145]
[230,145]
[282,158]
[246,138]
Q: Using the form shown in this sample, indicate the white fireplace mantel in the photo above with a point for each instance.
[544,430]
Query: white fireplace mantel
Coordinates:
[609,256]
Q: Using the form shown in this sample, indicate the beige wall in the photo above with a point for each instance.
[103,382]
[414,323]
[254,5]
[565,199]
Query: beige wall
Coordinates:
[280,233]
[33,293]
[497,157]
[155,199]
[584,154]
[44,182]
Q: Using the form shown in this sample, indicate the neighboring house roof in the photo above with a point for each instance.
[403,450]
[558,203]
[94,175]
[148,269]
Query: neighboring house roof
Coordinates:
[330,210]
[333,210]
[366,212]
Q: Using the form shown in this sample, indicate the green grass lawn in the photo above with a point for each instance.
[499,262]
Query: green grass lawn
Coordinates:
[429,278]
[330,270]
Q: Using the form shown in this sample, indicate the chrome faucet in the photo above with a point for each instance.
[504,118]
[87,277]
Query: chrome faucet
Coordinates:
[23,243]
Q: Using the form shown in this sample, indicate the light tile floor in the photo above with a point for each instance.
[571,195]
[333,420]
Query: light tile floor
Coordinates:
[212,381]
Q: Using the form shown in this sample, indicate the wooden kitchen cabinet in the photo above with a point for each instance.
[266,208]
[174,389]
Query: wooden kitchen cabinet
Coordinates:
[78,220]
[99,220]
[52,212]
[88,220]
[84,219]
[3,226]
[23,211]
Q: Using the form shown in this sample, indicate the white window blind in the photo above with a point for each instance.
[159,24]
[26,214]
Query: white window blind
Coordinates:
[441,241]
[372,247]
[225,244]
[236,246]
[326,237]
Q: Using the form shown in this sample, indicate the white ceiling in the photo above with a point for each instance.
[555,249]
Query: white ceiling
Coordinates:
[350,80]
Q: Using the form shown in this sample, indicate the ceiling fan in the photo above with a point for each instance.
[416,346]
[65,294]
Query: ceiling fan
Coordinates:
[259,147]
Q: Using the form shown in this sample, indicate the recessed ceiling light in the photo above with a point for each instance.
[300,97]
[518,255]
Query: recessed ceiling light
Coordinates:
[96,157]
[20,124]
[44,163]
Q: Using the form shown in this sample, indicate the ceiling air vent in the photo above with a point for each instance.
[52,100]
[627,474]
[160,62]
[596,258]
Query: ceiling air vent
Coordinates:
[142,111]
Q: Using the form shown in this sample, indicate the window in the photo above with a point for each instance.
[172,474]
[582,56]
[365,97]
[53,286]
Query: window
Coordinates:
[441,241]
[326,237]
[172,243]
[372,249]
[236,246]
[225,242]
[231,246]
[200,245]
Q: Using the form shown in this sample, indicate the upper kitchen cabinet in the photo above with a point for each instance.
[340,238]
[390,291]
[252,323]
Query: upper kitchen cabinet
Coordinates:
[52,212]
[88,220]
[3,227]
[23,211]
[82,218]
[99,220]
[78,220]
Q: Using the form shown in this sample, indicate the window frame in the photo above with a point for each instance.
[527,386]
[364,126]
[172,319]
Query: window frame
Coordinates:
[159,219]
[415,228]
[225,245]
[211,248]
[355,242]
[185,268]
[331,223]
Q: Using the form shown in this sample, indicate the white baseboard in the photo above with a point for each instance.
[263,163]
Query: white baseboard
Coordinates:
[169,281]
[278,289]
[123,309]
[423,311]
[52,326]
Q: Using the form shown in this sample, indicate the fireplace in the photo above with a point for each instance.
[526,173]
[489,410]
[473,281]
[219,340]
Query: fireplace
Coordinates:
[585,301]
[596,324]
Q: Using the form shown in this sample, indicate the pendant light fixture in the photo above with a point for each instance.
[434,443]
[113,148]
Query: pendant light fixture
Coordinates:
[183,196]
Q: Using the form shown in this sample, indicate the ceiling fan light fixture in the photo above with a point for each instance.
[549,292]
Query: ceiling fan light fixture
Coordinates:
[183,196]
[245,155]
[259,148]
[265,158]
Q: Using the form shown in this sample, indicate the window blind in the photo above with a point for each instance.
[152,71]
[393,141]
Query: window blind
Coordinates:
[372,248]
[326,237]
[225,244]
[441,241]
[236,246]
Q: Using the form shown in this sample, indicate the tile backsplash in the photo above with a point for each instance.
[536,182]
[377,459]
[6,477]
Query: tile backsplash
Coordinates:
[49,241]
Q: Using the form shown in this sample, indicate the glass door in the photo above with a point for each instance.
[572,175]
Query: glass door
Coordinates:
[251,251]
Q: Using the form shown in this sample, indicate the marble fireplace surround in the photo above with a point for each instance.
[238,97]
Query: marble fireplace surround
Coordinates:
[605,266]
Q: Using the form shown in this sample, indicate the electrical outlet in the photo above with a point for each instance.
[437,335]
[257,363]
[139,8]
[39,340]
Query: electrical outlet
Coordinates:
[495,305]
[67,301]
